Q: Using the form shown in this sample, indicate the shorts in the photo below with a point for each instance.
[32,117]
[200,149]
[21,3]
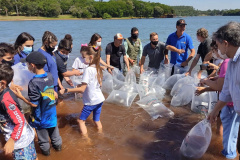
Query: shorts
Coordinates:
[86,111]
[28,153]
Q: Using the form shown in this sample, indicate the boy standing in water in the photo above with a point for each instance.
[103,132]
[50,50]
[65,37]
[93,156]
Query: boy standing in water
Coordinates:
[41,93]
[18,134]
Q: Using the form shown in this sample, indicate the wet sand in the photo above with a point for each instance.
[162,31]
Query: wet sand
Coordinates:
[129,134]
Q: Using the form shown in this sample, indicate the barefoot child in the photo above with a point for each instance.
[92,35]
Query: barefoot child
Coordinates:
[18,134]
[90,87]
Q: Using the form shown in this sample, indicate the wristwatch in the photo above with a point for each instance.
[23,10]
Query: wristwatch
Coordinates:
[65,90]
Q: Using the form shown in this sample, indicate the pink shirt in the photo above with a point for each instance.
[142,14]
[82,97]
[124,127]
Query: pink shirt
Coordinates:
[222,73]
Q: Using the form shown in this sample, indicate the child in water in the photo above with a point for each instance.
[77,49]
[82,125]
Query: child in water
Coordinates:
[90,87]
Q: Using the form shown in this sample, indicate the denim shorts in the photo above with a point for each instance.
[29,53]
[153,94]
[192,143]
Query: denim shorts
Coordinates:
[28,153]
[86,111]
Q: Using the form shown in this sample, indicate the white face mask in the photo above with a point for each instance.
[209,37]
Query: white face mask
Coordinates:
[223,56]
[98,44]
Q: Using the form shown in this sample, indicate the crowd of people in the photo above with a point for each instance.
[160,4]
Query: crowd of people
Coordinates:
[220,58]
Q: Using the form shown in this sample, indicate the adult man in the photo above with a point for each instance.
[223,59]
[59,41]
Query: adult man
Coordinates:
[155,50]
[133,48]
[228,40]
[180,40]
[203,49]
[114,51]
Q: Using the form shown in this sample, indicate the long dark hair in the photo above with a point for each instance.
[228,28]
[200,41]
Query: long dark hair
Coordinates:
[65,44]
[48,37]
[21,39]
[93,40]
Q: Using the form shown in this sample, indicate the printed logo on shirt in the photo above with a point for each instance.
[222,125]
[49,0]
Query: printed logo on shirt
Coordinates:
[48,92]
[45,79]
[12,107]
[183,42]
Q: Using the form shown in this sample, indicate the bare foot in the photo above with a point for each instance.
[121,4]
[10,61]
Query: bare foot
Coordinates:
[87,140]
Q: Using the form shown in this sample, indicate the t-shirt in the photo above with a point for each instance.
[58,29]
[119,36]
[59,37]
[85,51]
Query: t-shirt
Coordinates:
[17,57]
[115,54]
[156,55]
[12,122]
[183,42]
[204,48]
[51,66]
[61,64]
[41,93]
[222,73]
[93,94]
[79,65]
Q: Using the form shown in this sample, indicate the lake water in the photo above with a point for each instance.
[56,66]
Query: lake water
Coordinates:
[129,133]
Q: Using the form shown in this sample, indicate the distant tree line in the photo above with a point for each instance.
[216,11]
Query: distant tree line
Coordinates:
[190,11]
[84,8]
[100,9]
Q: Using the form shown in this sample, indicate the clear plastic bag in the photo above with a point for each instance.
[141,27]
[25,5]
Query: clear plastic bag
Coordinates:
[76,80]
[142,90]
[157,91]
[166,69]
[129,88]
[21,77]
[213,102]
[183,96]
[154,107]
[136,69]
[117,84]
[107,82]
[121,98]
[200,104]
[160,80]
[130,77]
[180,83]
[172,80]
[196,143]
[117,74]
[178,69]
[147,78]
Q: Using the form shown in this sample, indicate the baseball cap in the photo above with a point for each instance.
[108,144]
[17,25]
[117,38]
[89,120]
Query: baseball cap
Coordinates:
[118,36]
[181,22]
[35,58]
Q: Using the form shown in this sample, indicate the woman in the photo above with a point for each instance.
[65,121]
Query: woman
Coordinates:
[23,46]
[96,42]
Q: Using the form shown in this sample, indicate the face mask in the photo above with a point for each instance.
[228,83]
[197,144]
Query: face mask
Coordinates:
[98,44]
[86,61]
[134,36]
[49,49]
[65,57]
[27,50]
[8,62]
[154,42]
[223,56]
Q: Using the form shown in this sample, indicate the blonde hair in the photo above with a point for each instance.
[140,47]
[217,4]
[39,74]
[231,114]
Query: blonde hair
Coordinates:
[202,32]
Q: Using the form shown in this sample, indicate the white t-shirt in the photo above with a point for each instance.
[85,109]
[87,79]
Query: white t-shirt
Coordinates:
[93,94]
[79,65]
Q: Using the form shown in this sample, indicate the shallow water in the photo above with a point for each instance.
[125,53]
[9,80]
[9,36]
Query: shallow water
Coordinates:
[128,134]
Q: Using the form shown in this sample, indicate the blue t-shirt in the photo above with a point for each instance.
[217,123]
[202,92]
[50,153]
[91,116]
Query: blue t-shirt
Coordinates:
[41,93]
[17,57]
[51,66]
[183,42]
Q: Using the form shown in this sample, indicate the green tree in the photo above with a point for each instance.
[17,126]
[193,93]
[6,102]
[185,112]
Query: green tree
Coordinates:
[65,5]
[106,16]
[6,6]
[49,8]
[158,11]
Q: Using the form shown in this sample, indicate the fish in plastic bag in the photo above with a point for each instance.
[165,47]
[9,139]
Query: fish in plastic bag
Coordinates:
[107,82]
[130,77]
[170,82]
[157,91]
[121,98]
[154,107]
[180,83]
[200,104]
[213,101]
[183,96]
[129,88]
[196,143]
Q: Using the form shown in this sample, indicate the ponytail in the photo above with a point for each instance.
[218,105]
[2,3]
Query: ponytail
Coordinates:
[49,37]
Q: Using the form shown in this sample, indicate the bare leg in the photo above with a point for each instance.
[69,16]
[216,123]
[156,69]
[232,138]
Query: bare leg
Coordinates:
[99,126]
[82,127]
[219,130]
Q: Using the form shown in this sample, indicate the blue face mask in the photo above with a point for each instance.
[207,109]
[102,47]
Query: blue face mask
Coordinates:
[27,50]
[65,57]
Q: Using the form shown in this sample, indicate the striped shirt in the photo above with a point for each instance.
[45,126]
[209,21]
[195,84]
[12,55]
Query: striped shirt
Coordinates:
[231,87]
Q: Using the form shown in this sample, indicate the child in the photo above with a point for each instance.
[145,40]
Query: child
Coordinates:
[6,53]
[18,134]
[92,94]
[79,63]
[64,49]
[41,93]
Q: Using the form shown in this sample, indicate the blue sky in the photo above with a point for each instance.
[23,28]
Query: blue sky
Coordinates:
[202,4]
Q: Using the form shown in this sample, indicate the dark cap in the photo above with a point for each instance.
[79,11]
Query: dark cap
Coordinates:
[35,58]
[181,22]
